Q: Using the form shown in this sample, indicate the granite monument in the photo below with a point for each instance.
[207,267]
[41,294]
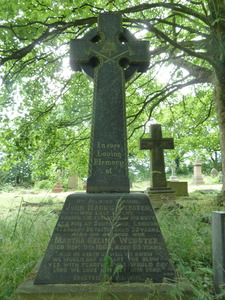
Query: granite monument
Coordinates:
[107,220]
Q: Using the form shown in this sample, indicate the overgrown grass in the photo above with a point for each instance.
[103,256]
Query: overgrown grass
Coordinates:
[26,230]
[188,236]
[24,235]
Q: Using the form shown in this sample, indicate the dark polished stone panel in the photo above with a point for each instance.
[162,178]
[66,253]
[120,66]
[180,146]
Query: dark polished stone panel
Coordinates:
[91,225]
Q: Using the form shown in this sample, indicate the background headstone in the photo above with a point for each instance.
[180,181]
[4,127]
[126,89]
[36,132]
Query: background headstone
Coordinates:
[214,173]
[180,187]
[220,176]
[198,179]
[173,167]
[73,182]
[58,188]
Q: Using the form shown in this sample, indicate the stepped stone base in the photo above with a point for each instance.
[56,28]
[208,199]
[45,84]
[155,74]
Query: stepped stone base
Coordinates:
[57,188]
[123,291]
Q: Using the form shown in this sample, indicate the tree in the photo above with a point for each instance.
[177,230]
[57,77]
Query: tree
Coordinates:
[191,120]
[34,49]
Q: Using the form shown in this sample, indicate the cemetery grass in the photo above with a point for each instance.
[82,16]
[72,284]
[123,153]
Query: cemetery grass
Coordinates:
[27,222]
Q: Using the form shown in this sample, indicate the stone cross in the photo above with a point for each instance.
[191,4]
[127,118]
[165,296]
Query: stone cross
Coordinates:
[173,176]
[111,55]
[157,144]
[87,229]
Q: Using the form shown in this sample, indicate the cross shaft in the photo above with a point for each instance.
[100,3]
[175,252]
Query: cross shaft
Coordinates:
[111,56]
[157,144]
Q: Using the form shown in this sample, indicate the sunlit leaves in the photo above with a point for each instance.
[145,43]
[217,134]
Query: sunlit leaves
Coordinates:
[53,107]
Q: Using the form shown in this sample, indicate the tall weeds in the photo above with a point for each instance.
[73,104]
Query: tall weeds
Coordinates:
[188,236]
[24,235]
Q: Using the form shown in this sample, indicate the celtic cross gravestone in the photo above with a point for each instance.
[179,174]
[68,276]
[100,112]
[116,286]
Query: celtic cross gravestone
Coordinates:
[110,55]
[107,221]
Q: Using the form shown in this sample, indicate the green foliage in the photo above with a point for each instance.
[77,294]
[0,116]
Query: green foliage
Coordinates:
[44,184]
[107,265]
[107,272]
[46,109]
[188,238]
[19,250]
[195,131]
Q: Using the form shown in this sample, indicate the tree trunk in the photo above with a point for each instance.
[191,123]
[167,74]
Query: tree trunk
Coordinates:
[219,99]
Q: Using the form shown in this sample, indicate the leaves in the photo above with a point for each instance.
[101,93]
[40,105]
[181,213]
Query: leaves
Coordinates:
[53,106]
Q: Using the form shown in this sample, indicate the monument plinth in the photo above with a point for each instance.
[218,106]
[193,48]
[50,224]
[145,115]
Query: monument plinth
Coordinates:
[198,179]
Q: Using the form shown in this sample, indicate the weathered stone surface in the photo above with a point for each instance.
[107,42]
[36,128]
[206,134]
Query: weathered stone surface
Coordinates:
[125,291]
[218,247]
[91,225]
[173,176]
[214,173]
[180,187]
[198,179]
[157,165]
[73,181]
[108,220]
[111,55]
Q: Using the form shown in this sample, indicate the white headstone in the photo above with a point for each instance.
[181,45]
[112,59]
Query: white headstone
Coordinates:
[173,176]
[198,179]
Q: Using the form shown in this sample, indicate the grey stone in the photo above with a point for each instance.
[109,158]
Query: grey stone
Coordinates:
[111,55]
[73,181]
[198,179]
[214,173]
[107,221]
[157,144]
[218,247]
[173,167]
[83,235]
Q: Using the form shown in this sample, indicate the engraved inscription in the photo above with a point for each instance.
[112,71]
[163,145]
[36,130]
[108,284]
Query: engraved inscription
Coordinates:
[82,236]
[109,155]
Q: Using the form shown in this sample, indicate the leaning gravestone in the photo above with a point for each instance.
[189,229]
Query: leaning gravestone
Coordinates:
[107,222]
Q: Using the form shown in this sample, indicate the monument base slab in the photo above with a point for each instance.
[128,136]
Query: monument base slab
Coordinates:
[180,187]
[122,291]
[161,196]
